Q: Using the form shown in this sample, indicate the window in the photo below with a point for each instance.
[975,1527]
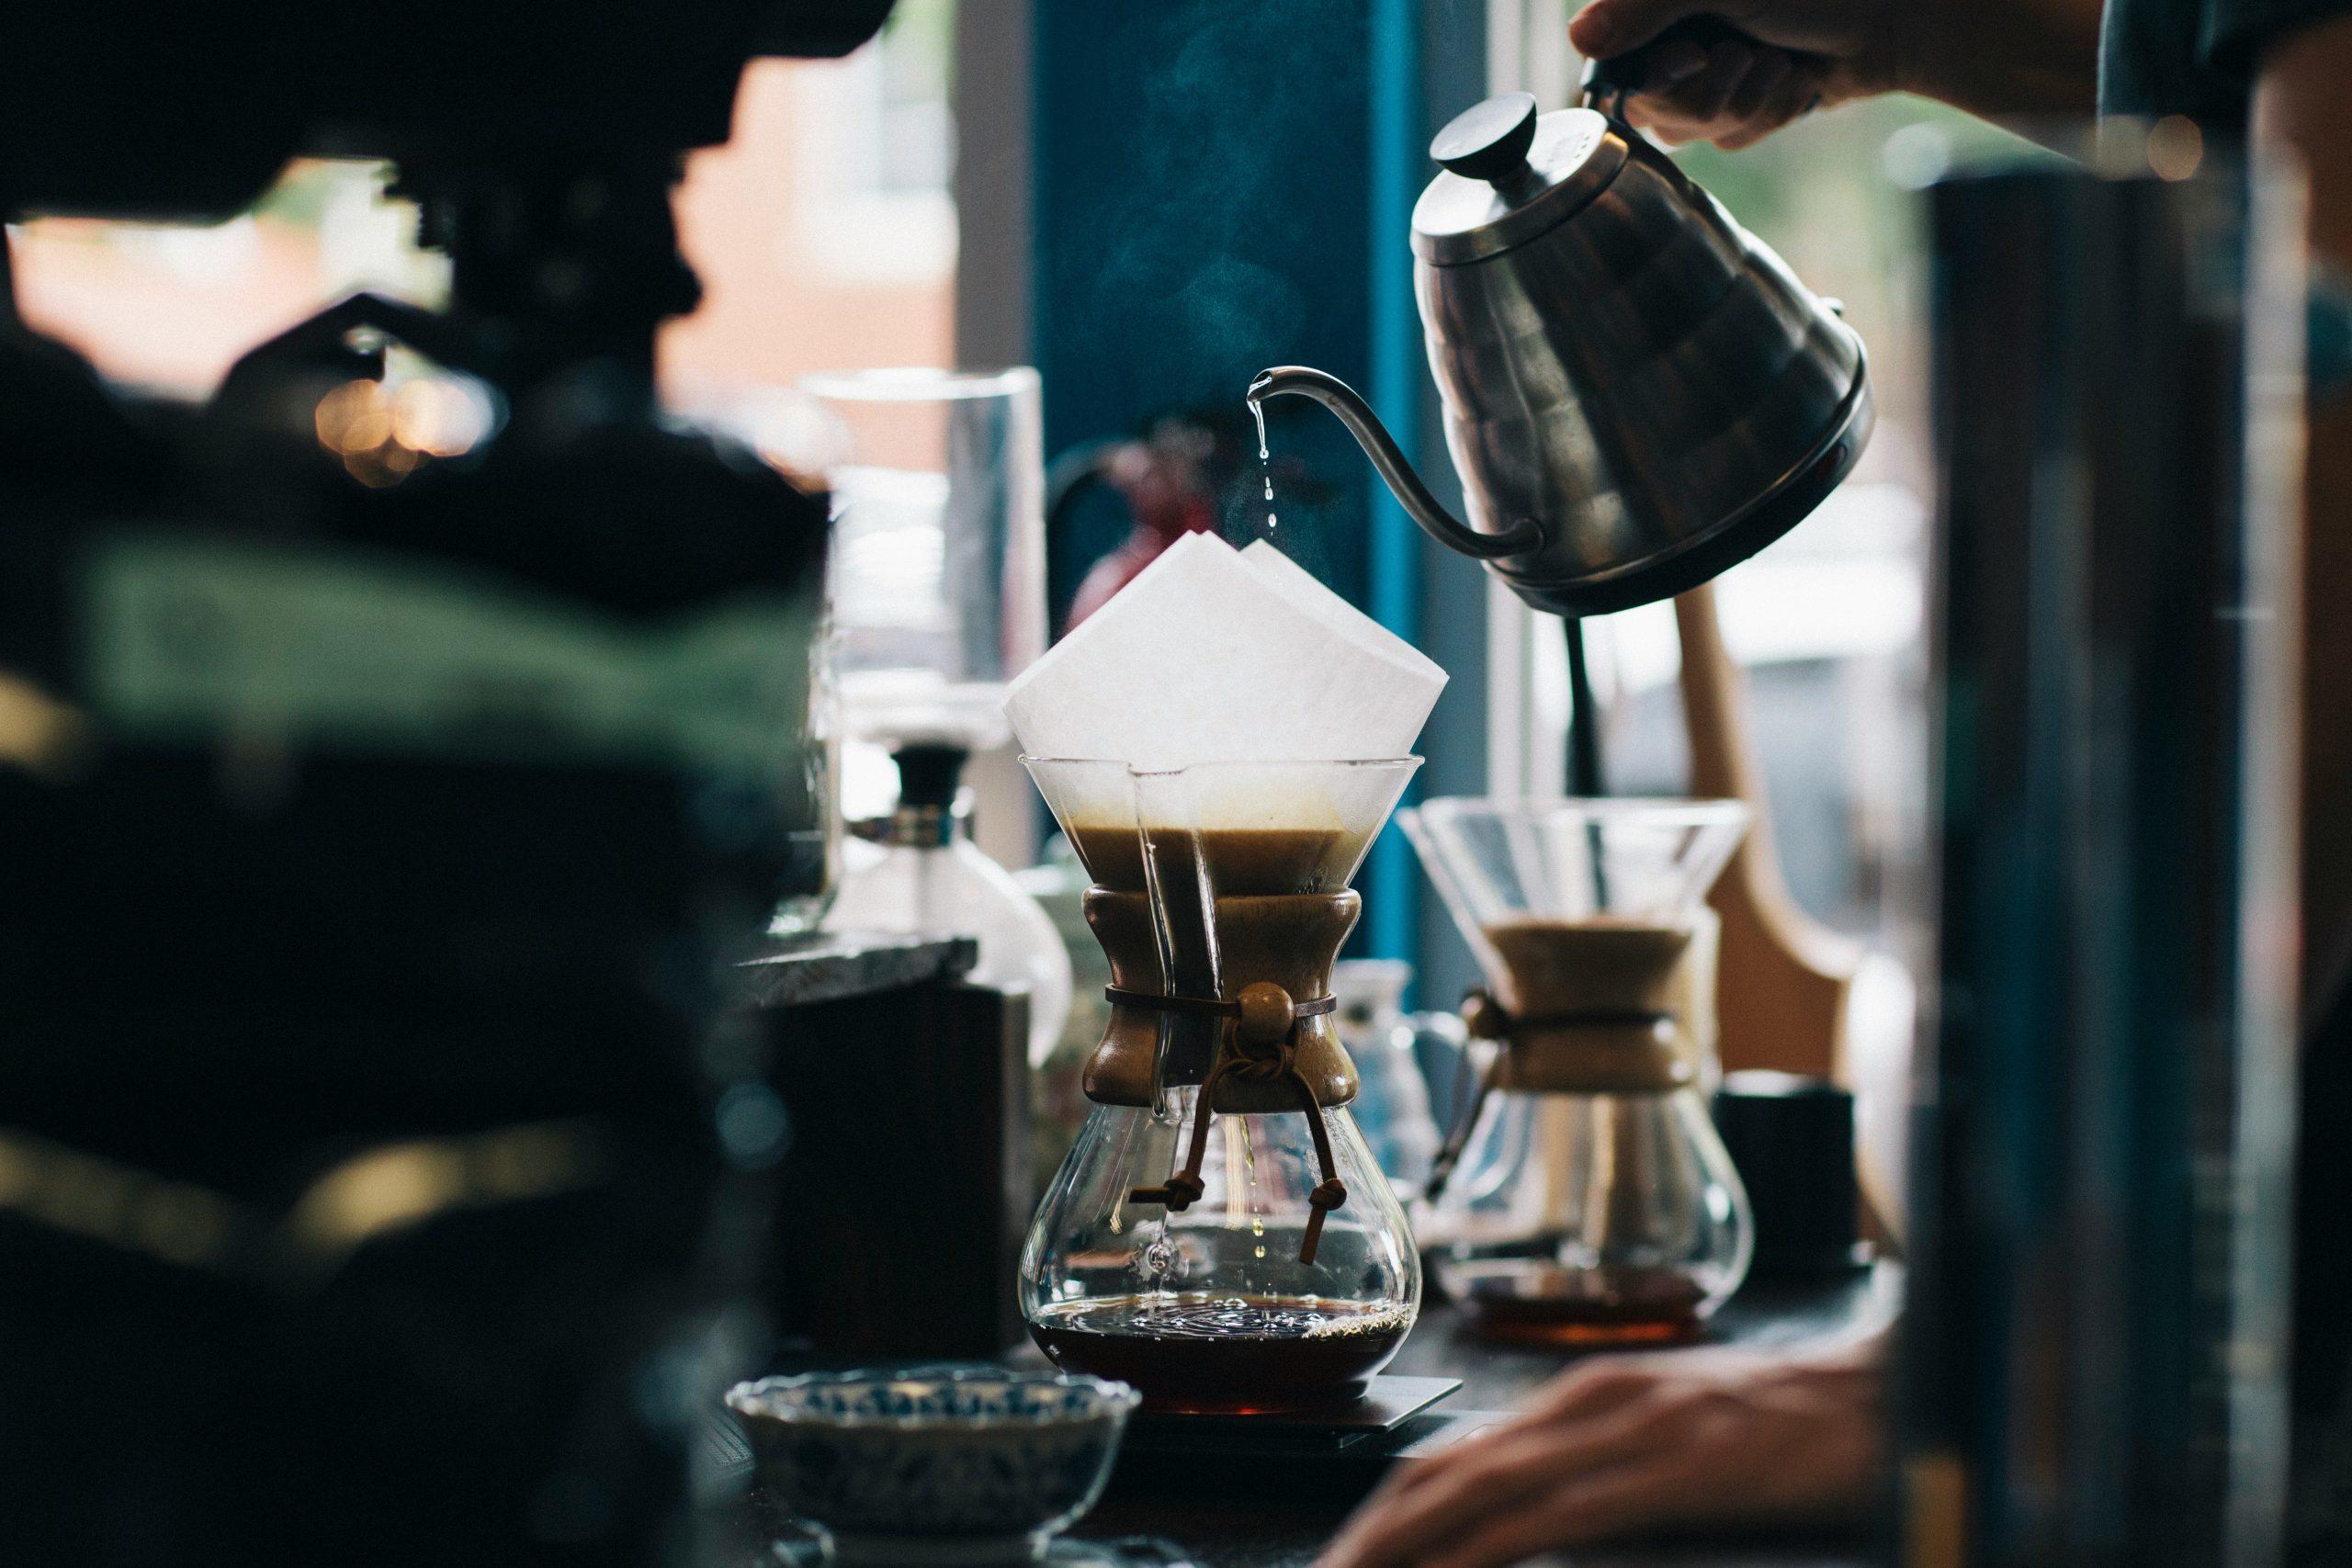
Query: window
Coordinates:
[171,308]
[823,231]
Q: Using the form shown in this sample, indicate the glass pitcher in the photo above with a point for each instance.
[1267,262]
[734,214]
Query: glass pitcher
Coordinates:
[1585,1196]
[1393,1108]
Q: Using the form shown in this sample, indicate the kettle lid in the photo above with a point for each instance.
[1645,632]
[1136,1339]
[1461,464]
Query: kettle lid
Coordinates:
[1510,174]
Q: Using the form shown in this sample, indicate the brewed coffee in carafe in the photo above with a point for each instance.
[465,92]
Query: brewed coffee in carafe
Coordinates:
[1220,1236]
[1585,1198]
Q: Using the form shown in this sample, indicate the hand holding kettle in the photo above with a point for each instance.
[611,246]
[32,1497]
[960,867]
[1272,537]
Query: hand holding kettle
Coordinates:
[1688,77]
[1638,393]
[1736,71]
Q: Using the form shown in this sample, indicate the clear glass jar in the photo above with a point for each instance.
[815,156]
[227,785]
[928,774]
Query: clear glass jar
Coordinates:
[917,873]
[938,566]
[1393,1107]
[1210,1309]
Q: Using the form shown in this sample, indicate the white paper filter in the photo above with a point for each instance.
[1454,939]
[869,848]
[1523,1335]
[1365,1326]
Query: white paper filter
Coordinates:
[1213,655]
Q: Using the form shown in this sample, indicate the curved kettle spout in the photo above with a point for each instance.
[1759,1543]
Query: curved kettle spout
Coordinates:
[1298,380]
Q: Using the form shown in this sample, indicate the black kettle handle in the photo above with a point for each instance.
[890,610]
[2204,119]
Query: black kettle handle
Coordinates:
[1609,83]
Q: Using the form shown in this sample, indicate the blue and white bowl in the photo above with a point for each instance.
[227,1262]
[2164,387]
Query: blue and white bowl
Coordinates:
[965,1465]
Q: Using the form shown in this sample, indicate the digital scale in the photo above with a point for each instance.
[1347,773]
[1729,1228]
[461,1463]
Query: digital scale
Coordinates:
[1329,1451]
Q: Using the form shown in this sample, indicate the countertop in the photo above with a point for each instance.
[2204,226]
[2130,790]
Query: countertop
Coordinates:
[1274,1531]
[1284,1527]
[839,965]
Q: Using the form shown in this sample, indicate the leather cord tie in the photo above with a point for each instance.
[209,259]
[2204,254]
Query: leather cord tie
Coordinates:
[1487,1019]
[1262,1044]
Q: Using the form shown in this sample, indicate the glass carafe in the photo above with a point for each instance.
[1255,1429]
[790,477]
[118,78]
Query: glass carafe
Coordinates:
[917,873]
[1220,1236]
[1586,1197]
[1393,1109]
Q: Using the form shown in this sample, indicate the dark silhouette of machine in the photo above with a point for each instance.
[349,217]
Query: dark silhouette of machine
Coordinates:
[378,1179]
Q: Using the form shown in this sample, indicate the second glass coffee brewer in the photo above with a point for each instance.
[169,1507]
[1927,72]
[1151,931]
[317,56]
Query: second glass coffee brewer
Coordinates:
[1585,1196]
[1221,1237]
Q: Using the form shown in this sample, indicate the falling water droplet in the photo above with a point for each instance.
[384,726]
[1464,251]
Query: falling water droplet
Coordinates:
[1266,459]
[1257,1225]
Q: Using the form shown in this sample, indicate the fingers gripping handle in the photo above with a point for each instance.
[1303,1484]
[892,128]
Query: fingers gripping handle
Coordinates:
[1609,83]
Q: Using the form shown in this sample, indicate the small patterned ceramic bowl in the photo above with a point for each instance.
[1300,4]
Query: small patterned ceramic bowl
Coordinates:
[952,1464]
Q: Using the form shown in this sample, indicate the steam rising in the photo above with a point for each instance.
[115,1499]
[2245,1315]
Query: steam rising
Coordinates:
[1224,175]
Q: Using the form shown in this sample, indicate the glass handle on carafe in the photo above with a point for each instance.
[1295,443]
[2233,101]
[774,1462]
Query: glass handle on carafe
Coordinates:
[1480,1020]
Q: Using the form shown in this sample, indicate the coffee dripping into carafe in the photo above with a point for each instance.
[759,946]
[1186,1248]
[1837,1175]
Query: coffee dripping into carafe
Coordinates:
[1221,1237]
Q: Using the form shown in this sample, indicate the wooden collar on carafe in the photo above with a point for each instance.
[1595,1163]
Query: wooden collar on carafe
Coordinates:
[1226,1015]
[1604,1005]
[1587,1001]
[1288,938]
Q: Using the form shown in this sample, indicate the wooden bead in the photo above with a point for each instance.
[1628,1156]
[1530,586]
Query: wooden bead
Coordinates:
[1484,1017]
[1267,1013]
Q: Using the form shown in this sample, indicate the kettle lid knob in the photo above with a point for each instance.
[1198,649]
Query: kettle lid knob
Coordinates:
[1490,141]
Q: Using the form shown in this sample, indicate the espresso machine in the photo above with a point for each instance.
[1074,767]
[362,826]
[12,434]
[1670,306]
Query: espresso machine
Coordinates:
[379,1178]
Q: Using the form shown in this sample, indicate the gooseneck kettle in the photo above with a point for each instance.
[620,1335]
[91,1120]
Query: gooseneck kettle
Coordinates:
[1638,392]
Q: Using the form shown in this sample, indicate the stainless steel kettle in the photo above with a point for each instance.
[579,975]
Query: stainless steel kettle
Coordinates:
[1638,393]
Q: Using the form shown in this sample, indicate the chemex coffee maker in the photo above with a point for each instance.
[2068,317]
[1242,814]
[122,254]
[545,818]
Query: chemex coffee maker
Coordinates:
[1584,1196]
[1222,742]
[393,749]
[1221,1237]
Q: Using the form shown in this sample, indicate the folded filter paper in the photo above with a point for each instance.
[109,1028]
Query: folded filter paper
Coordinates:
[1213,655]
[1241,659]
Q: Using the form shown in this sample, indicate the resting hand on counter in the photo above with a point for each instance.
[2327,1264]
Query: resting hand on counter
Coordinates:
[1626,1445]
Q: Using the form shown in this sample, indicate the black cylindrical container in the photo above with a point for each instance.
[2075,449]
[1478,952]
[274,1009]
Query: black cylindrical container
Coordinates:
[1793,1139]
[2093,1342]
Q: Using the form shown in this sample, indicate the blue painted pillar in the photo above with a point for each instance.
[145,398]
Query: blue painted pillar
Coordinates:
[1221,186]
[1395,154]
